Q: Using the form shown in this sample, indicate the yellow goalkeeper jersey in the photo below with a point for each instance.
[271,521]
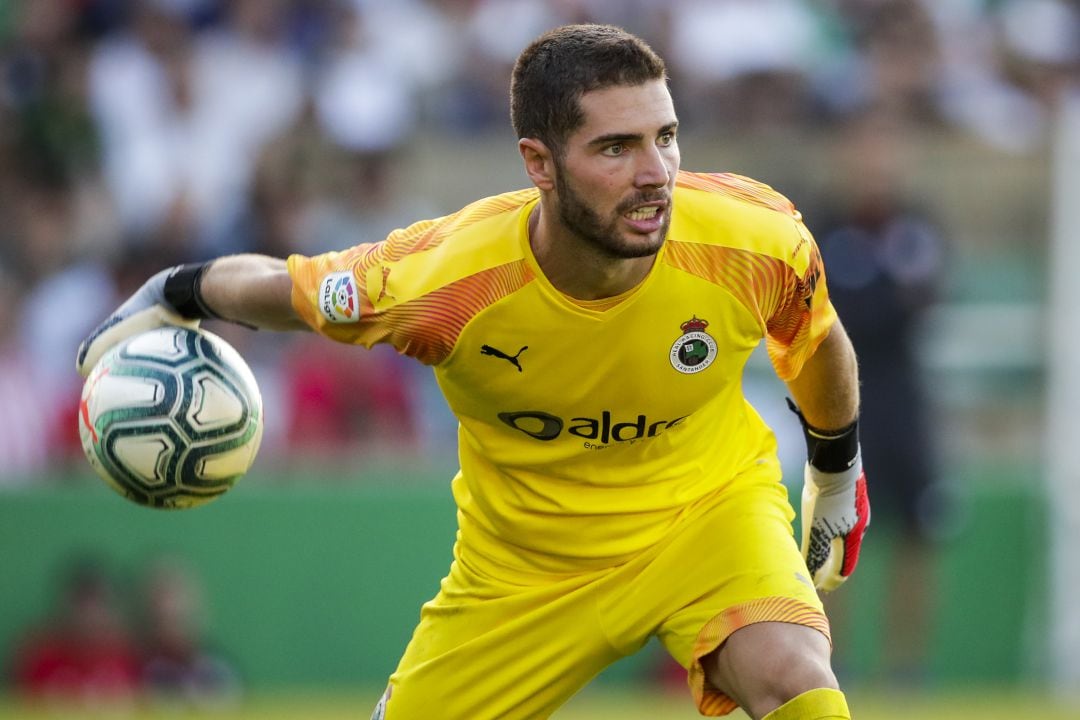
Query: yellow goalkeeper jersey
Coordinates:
[586,430]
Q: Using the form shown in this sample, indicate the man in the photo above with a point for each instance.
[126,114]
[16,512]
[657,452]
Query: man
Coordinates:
[590,335]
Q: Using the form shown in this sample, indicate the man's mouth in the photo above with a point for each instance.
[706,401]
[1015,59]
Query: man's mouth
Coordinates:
[643,213]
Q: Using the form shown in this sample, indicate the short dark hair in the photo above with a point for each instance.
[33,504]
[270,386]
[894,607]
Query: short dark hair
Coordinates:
[552,74]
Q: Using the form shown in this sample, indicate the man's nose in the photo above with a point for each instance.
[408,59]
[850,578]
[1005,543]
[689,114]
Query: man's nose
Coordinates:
[653,169]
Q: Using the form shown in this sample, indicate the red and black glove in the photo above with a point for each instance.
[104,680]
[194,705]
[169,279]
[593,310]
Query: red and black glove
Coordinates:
[835,506]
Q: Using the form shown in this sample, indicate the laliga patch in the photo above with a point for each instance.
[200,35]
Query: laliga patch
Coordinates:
[695,349]
[339,300]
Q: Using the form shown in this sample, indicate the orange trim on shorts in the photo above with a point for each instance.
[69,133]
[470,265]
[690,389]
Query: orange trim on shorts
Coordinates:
[710,701]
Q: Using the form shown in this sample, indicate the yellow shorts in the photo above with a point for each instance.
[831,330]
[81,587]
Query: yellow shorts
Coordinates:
[488,648]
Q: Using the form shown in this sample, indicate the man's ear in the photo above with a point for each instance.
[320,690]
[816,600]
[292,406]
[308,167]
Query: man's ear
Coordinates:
[539,163]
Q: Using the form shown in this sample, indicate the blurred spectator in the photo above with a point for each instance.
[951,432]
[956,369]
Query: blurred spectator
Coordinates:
[179,669]
[81,656]
[373,415]
[423,42]
[140,95]
[363,100]
[85,293]
[890,60]
[25,420]
[884,258]
[317,190]
[48,170]
[495,31]
[745,62]
[87,656]
[290,176]
[184,114]
[1041,44]
[1003,69]
[47,140]
[364,110]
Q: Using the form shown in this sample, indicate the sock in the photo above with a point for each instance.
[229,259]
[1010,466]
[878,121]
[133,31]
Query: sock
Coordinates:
[819,704]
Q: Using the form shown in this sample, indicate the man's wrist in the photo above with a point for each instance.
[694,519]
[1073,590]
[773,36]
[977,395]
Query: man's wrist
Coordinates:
[829,451]
[832,452]
[182,291]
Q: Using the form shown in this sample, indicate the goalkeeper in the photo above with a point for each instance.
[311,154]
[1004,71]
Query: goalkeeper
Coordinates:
[590,334]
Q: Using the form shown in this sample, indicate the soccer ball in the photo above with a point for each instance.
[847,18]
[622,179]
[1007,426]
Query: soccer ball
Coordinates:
[171,418]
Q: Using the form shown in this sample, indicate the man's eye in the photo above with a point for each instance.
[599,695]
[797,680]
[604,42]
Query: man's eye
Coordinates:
[615,150]
[667,139]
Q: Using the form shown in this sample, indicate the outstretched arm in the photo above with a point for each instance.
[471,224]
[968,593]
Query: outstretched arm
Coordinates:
[250,289]
[254,290]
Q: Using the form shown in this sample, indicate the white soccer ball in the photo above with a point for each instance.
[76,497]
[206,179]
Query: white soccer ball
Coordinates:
[171,418]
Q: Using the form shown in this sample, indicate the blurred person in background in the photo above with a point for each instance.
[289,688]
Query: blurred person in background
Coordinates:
[48,228]
[333,174]
[179,668]
[886,258]
[1041,45]
[1004,67]
[581,528]
[364,109]
[746,62]
[341,406]
[26,423]
[46,133]
[183,115]
[82,656]
[422,43]
[888,57]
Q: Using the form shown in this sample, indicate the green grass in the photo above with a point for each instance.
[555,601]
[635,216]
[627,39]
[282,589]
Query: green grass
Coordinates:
[604,704]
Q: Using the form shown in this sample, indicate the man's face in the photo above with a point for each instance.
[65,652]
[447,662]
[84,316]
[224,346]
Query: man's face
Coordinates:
[614,180]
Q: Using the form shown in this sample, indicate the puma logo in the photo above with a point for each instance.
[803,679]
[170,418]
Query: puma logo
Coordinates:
[496,352]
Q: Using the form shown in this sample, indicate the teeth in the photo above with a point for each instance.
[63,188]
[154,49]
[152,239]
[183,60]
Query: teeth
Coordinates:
[643,213]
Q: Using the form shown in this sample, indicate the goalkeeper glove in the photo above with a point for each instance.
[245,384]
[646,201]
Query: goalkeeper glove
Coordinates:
[835,505]
[171,297]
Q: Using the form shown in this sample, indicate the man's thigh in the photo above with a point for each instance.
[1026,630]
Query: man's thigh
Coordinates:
[482,651]
[734,565]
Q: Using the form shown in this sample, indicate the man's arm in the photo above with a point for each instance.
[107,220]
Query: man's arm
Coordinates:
[827,389]
[835,505]
[253,290]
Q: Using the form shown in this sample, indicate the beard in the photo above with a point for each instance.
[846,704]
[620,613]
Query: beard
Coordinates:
[578,217]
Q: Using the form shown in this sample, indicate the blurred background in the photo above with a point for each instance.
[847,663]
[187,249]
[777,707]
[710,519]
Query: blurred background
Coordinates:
[932,146]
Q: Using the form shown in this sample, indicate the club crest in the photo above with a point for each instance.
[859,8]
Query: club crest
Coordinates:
[695,349]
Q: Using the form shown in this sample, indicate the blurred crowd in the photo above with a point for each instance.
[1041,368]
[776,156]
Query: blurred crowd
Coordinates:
[135,134]
[107,647]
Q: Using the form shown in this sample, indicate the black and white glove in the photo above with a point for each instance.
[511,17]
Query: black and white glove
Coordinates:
[170,297]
